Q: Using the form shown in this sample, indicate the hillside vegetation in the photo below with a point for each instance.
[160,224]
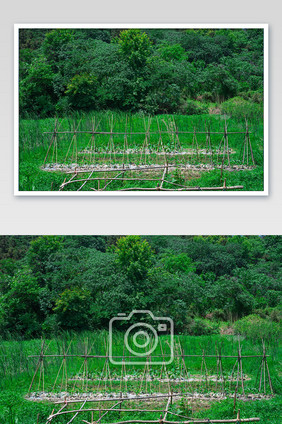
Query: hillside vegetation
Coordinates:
[204,283]
[154,71]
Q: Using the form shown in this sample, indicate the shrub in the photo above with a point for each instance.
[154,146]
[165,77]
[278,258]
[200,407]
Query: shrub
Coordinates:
[207,96]
[201,327]
[273,314]
[276,315]
[256,328]
[237,107]
[217,315]
[194,107]
[254,96]
[63,106]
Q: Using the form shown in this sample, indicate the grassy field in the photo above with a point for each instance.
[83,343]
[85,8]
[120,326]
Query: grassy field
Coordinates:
[17,369]
[44,160]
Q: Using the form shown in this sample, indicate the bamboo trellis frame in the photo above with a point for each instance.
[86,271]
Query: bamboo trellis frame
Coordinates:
[145,150]
[169,396]
[204,380]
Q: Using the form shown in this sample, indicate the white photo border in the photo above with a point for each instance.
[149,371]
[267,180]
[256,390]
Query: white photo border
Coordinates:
[264,26]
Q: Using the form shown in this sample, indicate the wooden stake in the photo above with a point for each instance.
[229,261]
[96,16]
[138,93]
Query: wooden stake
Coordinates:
[38,364]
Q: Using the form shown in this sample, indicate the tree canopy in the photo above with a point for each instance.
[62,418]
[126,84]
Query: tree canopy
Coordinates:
[148,70]
[50,283]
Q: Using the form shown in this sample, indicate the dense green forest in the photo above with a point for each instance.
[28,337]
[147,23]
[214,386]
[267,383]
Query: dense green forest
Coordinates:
[154,71]
[206,284]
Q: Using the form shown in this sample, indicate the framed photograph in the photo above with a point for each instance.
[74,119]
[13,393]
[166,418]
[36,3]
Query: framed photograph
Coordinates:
[154,110]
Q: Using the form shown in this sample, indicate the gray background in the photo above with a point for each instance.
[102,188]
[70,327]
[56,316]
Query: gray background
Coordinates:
[140,215]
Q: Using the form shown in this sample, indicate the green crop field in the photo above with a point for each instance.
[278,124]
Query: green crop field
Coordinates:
[100,145]
[23,403]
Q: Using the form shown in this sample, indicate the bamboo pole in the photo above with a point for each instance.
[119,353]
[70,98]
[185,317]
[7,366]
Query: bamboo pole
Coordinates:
[68,182]
[103,409]
[163,177]
[140,132]
[269,379]
[227,144]
[110,409]
[49,419]
[113,179]
[241,372]
[180,189]
[153,356]
[138,168]
[52,141]
[38,364]
[65,355]
[191,421]
[80,410]
[74,132]
[166,408]
[249,141]
[178,144]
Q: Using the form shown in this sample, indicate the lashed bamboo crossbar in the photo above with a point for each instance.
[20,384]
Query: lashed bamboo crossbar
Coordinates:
[133,399]
[142,132]
[151,356]
[110,409]
[137,168]
[103,409]
[182,189]
[191,421]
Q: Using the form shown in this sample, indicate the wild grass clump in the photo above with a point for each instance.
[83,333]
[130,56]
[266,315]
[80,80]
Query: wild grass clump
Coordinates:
[256,328]
[239,108]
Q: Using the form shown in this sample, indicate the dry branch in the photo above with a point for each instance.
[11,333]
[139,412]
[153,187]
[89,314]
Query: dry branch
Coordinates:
[191,421]
[181,189]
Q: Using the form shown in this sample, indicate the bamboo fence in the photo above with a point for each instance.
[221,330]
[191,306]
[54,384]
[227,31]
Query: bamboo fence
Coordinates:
[216,153]
[187,393]
[235,376]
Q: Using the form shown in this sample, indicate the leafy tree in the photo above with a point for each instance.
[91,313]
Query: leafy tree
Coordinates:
[134,256]
[73,309]
[36,89]
[231,296]
[53,44]
[39,253]
[20,305]
[81,92]
[178,263]
[174,52]
[135,47]
[220,81]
